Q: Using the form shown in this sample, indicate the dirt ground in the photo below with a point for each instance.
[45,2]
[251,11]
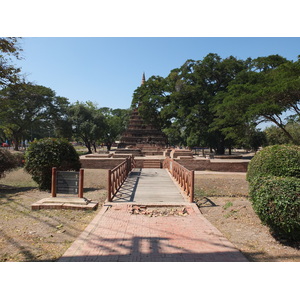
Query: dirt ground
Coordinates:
[223,200]
[44,235]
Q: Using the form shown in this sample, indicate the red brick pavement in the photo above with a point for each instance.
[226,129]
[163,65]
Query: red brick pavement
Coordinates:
[117,235]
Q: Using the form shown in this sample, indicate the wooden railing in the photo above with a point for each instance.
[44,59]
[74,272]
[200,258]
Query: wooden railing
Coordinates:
[117,176]
[183,176]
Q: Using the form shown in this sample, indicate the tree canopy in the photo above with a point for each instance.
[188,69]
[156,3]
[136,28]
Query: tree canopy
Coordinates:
[26,107]
[262,93]
[116,121]
[214,102]
[87,123]
[9,47]
[218,103]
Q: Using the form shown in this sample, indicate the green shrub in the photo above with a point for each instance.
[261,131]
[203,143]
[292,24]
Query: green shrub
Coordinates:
[44,154]
[20,158]
[278,160]
[8,162]
[276,200]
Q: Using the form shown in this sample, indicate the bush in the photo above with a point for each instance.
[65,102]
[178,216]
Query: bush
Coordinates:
[274,177]
[278,160]
[8,162]
[20,158]
[276,200]
[44,154]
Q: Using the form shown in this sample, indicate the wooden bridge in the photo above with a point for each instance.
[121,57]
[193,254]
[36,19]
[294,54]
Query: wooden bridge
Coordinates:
[172,184]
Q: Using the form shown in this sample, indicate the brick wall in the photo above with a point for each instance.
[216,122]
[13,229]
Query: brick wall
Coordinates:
[191,164]
[210,165]
[100,163]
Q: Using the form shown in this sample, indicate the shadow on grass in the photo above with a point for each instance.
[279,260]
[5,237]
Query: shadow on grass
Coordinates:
[295,244]
[46,217]
[29,256]
[257,257]
[86,190]
[6,191]
[205,202]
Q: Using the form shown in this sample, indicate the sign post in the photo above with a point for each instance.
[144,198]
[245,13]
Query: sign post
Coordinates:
[67,182]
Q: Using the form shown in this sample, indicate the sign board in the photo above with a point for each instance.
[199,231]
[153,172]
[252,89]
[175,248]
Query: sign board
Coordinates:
[67,182]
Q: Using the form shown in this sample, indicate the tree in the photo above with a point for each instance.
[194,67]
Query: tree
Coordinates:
[8,73]
[285,86]
[116,121]
[88,123]
[275,136]
[219,102]
[26,107]
[261,93]
[150,98]
[187,97]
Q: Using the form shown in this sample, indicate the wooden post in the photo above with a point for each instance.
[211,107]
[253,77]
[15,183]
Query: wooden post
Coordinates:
[192,186]
[109,186]
[53,183]
[80,187]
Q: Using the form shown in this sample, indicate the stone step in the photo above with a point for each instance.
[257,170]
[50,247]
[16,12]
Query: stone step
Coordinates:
[153,153]
[151,164]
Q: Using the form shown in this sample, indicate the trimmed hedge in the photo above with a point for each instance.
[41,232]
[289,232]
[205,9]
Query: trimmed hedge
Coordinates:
[274,182]
[277,160]
[276,200]
[44,154]
[8,162]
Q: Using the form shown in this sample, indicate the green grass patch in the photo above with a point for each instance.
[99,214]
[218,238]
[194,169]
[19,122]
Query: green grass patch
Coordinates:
[18,178]
[227,205]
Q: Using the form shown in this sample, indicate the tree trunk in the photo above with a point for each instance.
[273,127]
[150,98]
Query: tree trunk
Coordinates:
[220,148]
[16,143]
[281,126]
[88,145]
[95,147]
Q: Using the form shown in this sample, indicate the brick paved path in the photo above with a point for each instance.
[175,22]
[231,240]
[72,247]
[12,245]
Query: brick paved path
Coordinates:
[117,235]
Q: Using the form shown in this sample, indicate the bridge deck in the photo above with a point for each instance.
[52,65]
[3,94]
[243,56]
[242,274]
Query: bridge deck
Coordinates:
[149,186]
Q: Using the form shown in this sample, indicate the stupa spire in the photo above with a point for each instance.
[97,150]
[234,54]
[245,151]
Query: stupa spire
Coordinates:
[143,79]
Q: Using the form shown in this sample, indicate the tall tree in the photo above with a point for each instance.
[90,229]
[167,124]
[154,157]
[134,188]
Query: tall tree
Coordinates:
[185,100]
[150,98]
[276,136]
[88,123]
[9,47]
[116,121]
[284,86]
[25,106]
[260,94]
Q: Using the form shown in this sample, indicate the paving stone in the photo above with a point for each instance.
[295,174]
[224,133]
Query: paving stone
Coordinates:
[117,235]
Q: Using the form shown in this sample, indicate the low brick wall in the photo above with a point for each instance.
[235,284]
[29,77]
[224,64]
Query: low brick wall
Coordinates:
[191,164]
[211,165]
[229,166]
[100,163]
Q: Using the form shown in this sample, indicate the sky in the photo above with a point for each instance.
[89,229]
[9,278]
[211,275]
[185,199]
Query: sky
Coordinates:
[97,51]
[107,70]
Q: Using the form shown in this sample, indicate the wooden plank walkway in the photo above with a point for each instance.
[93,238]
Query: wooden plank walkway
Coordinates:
[149,186]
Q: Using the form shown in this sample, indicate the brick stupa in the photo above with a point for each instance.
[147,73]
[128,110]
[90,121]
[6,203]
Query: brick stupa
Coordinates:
[140,135]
